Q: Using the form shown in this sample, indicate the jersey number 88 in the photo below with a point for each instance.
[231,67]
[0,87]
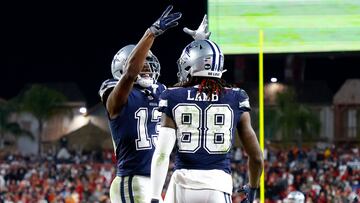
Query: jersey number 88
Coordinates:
[210,128]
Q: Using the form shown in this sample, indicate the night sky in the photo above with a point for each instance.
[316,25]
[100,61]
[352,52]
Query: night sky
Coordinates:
[75,41]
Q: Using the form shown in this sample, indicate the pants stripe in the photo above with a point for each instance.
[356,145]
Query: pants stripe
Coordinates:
[122,191]
[230,200]
[227,198]
[130,189]
[226,201]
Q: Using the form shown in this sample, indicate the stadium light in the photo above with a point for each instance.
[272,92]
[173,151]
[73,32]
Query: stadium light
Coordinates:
[273,79]
[83,110]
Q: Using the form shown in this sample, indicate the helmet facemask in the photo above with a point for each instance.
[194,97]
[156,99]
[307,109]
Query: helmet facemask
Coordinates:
[183,73]
[150,73]
[146,77]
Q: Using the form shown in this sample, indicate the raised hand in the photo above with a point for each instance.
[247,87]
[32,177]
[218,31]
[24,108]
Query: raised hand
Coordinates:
[165,21]
[201,33]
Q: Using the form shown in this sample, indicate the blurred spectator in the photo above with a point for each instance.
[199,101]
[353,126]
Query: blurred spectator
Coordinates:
[322,174]
[63,154]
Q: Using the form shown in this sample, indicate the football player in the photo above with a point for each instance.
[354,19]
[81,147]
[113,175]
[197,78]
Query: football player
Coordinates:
[200,116]
[131,101]
[295,197]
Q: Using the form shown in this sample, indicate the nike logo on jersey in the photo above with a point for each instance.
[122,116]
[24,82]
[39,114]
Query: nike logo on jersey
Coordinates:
[201,97]
[153,104]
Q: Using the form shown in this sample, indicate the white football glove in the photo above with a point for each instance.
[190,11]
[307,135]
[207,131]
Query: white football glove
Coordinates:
[201,33]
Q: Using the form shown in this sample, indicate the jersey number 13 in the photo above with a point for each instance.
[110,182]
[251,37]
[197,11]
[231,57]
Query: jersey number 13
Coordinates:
[144,140]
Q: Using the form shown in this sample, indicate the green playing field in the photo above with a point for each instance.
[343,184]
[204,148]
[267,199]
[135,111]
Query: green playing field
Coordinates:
[288,25]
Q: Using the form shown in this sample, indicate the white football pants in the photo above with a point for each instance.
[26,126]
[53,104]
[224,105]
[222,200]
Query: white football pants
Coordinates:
[178,194]
[130,189]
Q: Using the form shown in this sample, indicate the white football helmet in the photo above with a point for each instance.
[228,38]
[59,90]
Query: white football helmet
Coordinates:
[201,58]
[295,197]
[150,76]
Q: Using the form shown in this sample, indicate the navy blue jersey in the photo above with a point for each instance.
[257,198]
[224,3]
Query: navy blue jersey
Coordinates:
[135,129]
[205,129]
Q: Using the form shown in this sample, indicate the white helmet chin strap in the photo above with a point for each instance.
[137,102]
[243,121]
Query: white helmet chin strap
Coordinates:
[144,82]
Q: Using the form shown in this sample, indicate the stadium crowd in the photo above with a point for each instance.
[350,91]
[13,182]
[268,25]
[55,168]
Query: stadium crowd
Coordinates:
[330,174]
[323,174]
[56,178]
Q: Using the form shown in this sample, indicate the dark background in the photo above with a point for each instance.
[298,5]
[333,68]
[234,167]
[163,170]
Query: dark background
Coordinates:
[61,41]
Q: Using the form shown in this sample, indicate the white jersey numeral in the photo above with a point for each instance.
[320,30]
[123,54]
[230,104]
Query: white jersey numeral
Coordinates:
[218,128]
[188,121]
[144,141]
[212,127]
[155,117]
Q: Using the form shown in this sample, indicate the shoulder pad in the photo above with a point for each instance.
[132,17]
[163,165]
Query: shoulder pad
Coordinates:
[243,93]
[108,84]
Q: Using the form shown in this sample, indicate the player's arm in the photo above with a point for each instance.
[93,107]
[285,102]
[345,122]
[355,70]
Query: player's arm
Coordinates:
[119,95]
[252,148]
[160,159]
[135,63]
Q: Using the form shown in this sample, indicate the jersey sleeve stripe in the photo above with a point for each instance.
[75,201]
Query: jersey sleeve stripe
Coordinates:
[244,104]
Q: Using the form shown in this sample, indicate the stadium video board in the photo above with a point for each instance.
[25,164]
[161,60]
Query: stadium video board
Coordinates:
[289,26]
